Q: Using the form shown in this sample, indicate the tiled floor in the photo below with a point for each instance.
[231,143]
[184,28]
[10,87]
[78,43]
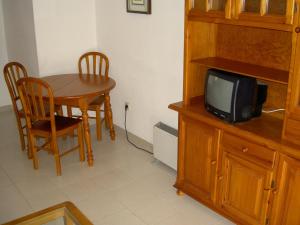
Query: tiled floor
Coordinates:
[125,187]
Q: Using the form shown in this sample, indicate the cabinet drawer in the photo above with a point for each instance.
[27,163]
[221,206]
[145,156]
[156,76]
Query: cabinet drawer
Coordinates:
[249,150]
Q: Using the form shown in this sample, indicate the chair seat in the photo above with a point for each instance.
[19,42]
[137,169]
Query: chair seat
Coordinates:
[97,102]
[62,123]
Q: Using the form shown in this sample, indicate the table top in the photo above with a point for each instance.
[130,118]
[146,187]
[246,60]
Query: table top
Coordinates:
[79,85]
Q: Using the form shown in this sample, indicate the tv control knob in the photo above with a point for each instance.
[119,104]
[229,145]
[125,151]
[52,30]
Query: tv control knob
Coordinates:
[297,30]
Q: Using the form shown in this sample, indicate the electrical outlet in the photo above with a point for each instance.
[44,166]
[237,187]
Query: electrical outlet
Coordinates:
[126,105]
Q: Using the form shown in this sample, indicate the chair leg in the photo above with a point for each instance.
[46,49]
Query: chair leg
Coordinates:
[58,165]
[70,114]
[21,134]
[56,156]
[80,142]
[29,145]
[61,113]
[34,151]
[106,118]
[98,124]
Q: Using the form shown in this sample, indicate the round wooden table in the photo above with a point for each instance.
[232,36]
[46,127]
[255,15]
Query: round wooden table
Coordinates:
[79,90]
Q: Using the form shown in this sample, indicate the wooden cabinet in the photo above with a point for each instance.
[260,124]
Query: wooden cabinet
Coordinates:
[198,165]
[245,190]
[286,210]
[246,180]
[235,168]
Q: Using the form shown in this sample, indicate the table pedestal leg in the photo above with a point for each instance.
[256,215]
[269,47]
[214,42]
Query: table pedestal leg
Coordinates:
[86,132]
[108,114]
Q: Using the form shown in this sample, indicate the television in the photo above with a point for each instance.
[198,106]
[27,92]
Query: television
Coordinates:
[231,97]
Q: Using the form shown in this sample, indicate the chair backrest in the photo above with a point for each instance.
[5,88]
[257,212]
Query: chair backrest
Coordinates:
[94,63]
[37,100]
[14,71]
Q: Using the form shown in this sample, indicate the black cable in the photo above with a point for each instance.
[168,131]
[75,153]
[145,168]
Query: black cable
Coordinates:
[131,141]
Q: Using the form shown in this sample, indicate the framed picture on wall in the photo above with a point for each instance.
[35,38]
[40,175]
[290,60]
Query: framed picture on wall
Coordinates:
[139,6]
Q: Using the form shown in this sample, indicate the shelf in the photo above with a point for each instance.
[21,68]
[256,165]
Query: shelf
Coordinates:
[251,70]
[265,128]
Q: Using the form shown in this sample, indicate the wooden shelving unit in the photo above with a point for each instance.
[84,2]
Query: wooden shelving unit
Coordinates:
[260,72]
[249,171]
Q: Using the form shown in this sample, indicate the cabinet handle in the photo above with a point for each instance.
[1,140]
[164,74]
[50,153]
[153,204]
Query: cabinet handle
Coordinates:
[245,149]
[220,177]
[297,29]
[213,162]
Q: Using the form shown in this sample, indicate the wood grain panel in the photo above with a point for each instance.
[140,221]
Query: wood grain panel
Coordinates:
[258,46]
[287,199]
[200,159]
[292,120]
[243,190]
[292,132]
[276,99]
[249,150]
[200,44]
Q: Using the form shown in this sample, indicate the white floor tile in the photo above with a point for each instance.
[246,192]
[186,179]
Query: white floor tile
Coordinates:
[12,204]
[46,199]
[123,217]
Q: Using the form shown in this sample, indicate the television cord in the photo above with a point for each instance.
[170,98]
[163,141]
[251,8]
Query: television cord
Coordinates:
[272,111]
[129,141]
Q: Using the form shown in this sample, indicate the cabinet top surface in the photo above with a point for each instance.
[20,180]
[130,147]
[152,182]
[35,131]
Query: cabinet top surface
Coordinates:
[265,130]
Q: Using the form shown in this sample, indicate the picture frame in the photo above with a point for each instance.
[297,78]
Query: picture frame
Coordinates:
[139,6]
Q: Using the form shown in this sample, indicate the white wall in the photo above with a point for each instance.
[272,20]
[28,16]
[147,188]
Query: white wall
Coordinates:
[146,55]
[4,95]
[64,30]
[20,34]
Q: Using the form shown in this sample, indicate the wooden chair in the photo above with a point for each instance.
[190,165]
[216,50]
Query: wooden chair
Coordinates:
[14,71]
[94,64]
[38,103]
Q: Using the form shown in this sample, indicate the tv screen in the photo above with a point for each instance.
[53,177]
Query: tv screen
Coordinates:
[220,93]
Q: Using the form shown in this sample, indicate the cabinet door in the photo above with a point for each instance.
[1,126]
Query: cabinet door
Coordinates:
[198,160]
[245,189]
[213,8]
[286,210]
[276,11]
[292,119]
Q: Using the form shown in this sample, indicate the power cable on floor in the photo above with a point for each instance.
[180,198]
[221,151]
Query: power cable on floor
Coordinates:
[133,144]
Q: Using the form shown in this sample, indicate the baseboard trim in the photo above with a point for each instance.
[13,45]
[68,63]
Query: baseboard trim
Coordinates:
[6,108]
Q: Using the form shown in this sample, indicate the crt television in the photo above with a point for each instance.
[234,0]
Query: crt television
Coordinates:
[229,96]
